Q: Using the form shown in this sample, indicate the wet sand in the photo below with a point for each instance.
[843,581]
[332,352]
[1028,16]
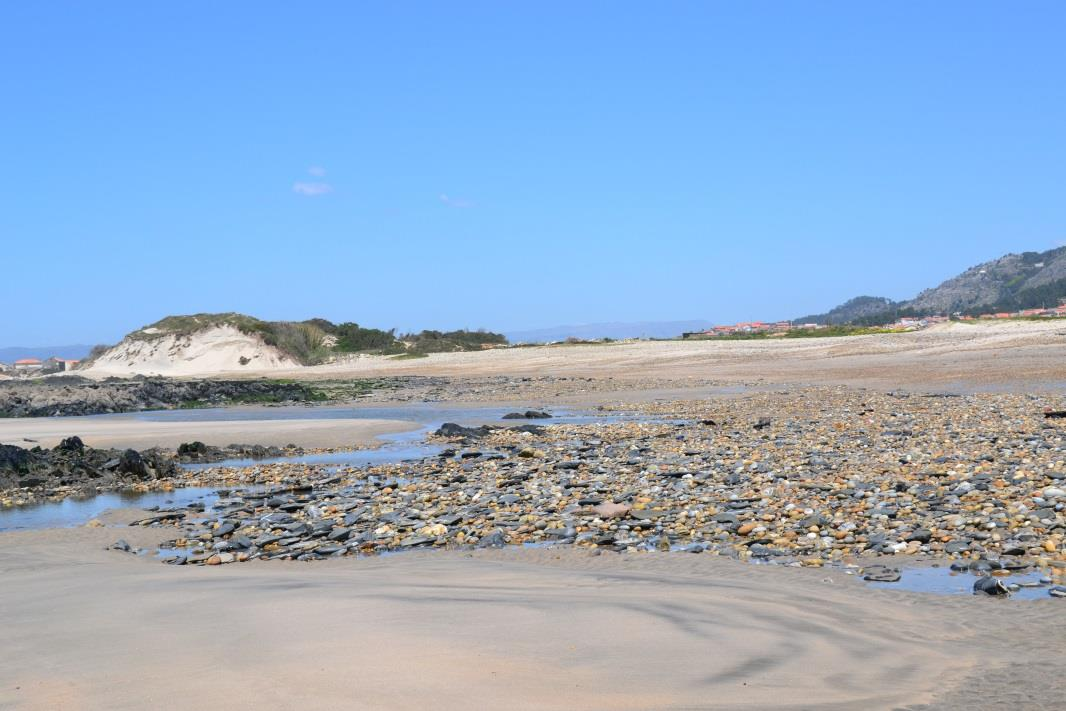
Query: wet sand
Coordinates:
[87,628]
[124,431]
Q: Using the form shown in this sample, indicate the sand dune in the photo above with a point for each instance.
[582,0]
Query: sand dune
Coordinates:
[214,350]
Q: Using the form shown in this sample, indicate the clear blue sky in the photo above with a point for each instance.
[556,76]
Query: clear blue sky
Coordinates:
[514,165]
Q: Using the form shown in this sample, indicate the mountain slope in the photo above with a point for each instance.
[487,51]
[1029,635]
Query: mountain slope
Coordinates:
[1000,281]
[1009,283]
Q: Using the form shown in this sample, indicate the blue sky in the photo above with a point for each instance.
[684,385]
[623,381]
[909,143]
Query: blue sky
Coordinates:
[515,165]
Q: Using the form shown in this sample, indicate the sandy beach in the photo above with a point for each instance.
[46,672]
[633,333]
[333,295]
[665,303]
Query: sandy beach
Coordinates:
[542,628]
[129,431]
[87,628]
[957,356]
[533,357]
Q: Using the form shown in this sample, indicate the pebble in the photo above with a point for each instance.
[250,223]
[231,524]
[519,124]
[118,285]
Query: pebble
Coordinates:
[835,475]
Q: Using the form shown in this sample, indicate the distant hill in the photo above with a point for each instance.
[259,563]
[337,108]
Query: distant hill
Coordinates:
[851,310]
[1014,281]
[1010,283]
[617,331]
[13,353]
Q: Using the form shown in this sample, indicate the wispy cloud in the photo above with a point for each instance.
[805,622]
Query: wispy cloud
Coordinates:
[309,189]
[317,171]
[456,202]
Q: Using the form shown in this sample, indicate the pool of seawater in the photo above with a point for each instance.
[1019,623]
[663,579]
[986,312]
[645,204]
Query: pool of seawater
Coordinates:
[75,512]
[944,581]
[400,447]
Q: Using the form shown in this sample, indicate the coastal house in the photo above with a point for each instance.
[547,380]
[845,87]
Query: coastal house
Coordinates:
[59,365]
[26,365]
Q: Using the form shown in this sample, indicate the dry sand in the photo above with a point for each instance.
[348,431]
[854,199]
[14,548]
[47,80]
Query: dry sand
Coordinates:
[86,628]
[956,356]
[1008,355]
[124,431]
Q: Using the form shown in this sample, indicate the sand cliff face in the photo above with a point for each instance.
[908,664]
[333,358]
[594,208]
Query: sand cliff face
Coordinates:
[213,350]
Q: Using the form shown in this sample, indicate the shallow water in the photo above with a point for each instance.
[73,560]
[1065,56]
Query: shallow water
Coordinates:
[944,581]
[399,447]
[405,446]
[76,512]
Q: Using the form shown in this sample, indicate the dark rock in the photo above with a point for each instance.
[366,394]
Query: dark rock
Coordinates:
[224,530]
[131,462]
[451,429]
[159,518]
[339,534]
[412,541]
[881,574]
[496,539]
[922,535]
[990,586]
[72,444]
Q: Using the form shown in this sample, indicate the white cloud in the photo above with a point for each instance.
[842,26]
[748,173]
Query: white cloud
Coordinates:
[317,171]
[311,189]
[455,202]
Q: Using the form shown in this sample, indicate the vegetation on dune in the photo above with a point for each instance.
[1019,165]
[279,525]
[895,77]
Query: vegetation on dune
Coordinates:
[353,338]
[449,341]
[317,340]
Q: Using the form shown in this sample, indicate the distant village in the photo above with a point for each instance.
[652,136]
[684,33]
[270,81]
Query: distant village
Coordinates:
[36,366]
[901,324]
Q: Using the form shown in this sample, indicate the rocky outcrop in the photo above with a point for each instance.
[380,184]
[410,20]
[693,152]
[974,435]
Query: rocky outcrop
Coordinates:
[72,464]
[198,452]
[79,396]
